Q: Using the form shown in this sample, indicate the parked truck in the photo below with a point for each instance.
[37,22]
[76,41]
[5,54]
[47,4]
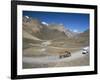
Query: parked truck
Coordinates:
[85,50]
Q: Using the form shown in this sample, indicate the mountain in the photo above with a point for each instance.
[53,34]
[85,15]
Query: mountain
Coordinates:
[85,33]
[83,38]
[36,32]
[45,31]
[31,25]
[70,34]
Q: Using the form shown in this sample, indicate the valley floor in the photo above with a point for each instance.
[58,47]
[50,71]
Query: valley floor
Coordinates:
[76,59]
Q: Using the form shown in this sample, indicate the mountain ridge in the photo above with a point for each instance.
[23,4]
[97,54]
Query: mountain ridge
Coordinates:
[36,28]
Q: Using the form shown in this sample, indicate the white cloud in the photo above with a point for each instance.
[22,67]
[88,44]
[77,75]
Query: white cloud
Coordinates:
[27,16]
[45,23]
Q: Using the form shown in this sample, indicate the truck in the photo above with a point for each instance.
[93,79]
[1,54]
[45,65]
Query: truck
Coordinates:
[66,54]
[85,50]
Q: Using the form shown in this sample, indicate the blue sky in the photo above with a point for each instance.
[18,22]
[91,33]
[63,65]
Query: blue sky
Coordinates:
[77,22]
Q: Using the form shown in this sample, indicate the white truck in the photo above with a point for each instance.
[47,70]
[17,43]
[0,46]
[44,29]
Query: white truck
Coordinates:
[85,50]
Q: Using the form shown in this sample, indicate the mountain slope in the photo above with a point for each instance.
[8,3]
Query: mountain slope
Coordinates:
[36,31]
[42,31]
[29,36]
[83,38]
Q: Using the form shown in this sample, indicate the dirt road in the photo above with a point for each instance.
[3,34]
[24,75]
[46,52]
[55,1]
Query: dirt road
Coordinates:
[49,59]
